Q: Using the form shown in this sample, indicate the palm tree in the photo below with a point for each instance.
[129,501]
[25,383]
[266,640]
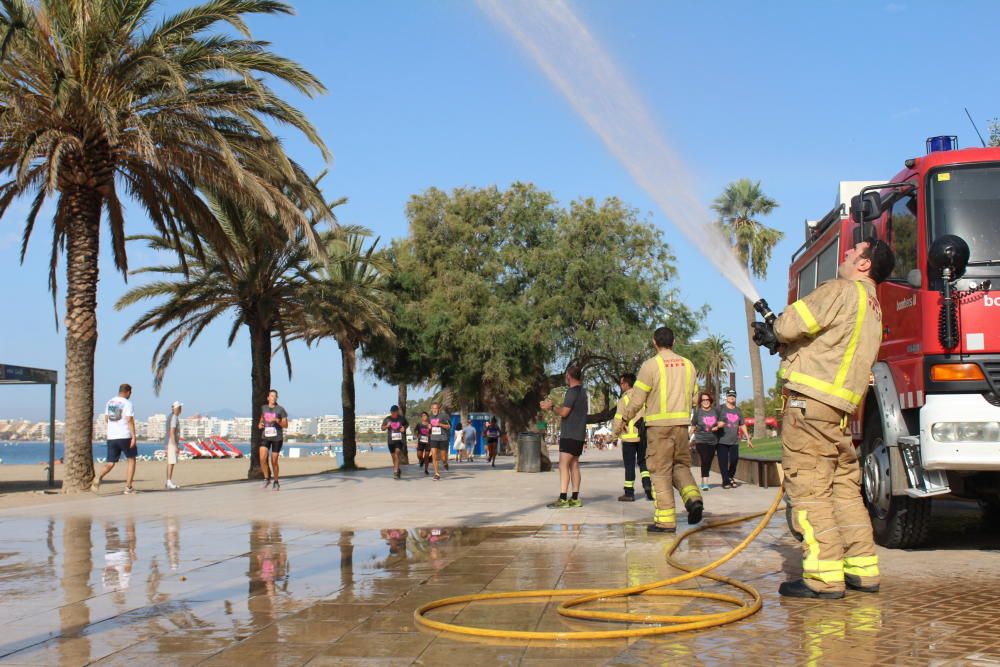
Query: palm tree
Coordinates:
[717,357]
[348,302]
[98,103]
[254,278]
[739,206]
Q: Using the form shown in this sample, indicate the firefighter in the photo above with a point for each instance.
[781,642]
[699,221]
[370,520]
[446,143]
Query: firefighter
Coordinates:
[633,435]
[829,341]
[665,390]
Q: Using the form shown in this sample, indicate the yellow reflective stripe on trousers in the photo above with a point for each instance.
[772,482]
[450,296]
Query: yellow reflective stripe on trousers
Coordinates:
[861,566]
[629,485]
[807,317]
[827,571]
[644,474]
[690,492]
[852,345]
[821,385]
[664,516]
[663,414]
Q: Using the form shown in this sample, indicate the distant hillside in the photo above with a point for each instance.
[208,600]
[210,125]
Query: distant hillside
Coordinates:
[224,413]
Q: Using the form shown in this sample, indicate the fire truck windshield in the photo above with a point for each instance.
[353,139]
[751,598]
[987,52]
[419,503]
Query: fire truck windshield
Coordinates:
[965,201]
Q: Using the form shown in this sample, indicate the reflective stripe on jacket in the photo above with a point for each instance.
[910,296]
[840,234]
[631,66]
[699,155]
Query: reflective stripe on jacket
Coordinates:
[666,389]
[833,335]
[629,430]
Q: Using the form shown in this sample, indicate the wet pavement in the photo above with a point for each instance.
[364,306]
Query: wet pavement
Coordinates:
[110,581]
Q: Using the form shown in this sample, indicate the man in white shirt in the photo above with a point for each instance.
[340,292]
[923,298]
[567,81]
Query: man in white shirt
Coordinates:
[173,438]
[120,418]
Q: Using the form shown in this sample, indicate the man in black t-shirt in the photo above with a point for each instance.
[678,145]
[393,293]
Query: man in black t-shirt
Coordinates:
[395,426]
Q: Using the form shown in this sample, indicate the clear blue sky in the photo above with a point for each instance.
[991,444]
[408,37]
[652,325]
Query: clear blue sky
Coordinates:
[798,95]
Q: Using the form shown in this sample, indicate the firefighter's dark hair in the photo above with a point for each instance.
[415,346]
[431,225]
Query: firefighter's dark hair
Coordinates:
[882,259]
[664,337]
[629,378]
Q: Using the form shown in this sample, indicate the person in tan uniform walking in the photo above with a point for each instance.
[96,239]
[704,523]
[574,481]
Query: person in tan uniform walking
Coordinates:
[665,390]
[830,340]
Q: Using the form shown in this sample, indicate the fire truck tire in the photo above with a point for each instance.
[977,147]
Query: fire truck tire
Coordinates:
[898,522]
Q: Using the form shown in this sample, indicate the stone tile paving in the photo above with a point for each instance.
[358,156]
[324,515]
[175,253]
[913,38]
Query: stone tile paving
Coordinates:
[150,587]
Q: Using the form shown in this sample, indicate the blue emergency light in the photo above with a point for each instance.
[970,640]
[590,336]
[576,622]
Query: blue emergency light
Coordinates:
[942,143]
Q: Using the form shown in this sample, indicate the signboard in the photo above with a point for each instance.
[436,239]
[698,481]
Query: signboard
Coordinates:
[24,375]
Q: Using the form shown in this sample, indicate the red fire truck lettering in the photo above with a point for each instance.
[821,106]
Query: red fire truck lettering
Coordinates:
[991,301]
[908,302]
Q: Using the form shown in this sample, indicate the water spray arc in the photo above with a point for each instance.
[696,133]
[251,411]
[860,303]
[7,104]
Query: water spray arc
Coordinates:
[563,47]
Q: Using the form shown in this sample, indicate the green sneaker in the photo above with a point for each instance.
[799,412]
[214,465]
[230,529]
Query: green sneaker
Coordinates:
[558,505]
[575,503]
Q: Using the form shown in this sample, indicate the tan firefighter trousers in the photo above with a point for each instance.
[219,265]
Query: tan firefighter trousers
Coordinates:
[823,482]
[668,459]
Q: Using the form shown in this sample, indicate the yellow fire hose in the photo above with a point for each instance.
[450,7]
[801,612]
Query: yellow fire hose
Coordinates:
[666,624]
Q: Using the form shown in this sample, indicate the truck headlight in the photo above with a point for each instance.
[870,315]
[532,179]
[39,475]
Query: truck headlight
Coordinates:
[966,431]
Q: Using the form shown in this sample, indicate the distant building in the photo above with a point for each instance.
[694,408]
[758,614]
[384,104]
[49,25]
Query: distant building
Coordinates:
[302,426]
[156,427]
[330,426]
[241,429]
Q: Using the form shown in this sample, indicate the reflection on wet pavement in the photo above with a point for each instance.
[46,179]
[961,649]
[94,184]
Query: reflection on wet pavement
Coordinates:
[195,591]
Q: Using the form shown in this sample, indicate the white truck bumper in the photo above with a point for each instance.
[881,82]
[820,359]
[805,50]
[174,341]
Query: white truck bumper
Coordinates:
[957,455]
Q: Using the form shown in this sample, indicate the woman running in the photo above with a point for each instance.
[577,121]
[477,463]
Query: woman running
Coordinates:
[423,433]
[492,433]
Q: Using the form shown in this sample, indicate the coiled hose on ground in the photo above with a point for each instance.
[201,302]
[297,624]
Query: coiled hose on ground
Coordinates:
[660,624]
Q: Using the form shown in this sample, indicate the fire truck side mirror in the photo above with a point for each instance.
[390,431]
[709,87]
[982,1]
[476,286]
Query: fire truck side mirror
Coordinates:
[866,207]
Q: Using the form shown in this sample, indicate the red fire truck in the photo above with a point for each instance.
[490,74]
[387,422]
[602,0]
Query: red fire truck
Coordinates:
[930,424]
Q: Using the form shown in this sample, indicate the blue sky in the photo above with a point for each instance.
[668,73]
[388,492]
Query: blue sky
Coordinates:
[797,95]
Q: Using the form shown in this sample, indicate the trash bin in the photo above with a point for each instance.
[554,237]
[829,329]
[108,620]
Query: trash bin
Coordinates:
[529,452]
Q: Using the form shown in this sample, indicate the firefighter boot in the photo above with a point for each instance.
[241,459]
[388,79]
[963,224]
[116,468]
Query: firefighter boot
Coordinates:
[628,496]
[854,583]
[799,589]
[647,486]
[695,508]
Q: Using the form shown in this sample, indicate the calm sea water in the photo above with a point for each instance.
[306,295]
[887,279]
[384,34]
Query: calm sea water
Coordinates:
[33,453]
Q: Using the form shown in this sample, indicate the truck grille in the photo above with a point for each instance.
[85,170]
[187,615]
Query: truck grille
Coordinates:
[992,369]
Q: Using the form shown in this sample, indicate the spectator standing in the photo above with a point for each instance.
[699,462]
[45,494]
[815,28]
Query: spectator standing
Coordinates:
[705,427]
[120,418]
[395,426]
[469,438]
[731,419]
[173,438]
[571,438]
[273,421]
[459,446]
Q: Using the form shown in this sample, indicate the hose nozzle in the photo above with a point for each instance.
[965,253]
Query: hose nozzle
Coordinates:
[765,311]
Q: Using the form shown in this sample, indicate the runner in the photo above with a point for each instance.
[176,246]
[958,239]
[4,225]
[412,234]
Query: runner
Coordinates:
[395,426]
[273,421]
[423,433]
[121,437]
[173,437]
[492,433]
[440,425]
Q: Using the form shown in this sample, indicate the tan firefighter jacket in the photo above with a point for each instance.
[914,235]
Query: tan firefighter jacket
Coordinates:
[666,389]
[629,430]
[832,337]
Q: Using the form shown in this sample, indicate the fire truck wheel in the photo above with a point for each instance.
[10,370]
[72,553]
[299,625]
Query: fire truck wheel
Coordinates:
[898,522]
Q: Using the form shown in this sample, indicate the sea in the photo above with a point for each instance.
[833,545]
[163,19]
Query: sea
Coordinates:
[23,452]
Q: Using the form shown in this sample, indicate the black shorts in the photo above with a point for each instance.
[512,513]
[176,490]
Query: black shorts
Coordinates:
[273,445]
[120,446]
[571,446]
[423,446]
[396,446]
[441,445]
[491,442]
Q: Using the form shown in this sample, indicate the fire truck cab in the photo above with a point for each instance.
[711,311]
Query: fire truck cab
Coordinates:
[930,423]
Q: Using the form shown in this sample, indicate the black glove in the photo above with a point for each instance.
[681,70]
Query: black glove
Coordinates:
[763,335]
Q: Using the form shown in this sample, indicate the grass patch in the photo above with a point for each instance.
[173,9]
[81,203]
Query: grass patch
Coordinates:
[763,448]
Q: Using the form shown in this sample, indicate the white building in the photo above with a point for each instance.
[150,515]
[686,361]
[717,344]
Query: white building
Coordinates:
[330,426]
[366,423]
[241,429]
[156,427]
[302,426]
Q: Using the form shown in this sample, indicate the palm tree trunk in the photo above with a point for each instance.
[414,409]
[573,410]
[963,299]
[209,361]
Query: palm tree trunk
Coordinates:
[260,385]
[757,375]
[83,231]
[401,402]
[74,612]
[348,356]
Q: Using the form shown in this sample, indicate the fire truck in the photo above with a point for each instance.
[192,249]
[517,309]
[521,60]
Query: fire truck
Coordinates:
[929,426]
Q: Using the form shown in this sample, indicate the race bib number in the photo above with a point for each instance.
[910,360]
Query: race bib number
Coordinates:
[423,438]
[396,435]
[270,432]
[435,430]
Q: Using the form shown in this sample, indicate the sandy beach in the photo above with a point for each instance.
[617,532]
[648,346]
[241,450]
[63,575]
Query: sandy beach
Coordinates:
[26,484]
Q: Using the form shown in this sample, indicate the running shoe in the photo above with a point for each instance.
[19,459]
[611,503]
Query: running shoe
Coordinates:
[562,503]
[128,491]
[445,465]
[276,486]
[396,474]
[704,487]
[426,471]
[267,482]
[96,484]
[575,502]
[437,478]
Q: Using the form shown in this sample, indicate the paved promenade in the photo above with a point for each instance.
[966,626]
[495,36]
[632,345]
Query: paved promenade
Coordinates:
[329,570]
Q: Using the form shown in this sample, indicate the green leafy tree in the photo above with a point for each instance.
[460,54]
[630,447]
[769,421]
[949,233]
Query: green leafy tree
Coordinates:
[252,278]
[347,302]
[740,206]
[994,129]
[498,290]
[99,103]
